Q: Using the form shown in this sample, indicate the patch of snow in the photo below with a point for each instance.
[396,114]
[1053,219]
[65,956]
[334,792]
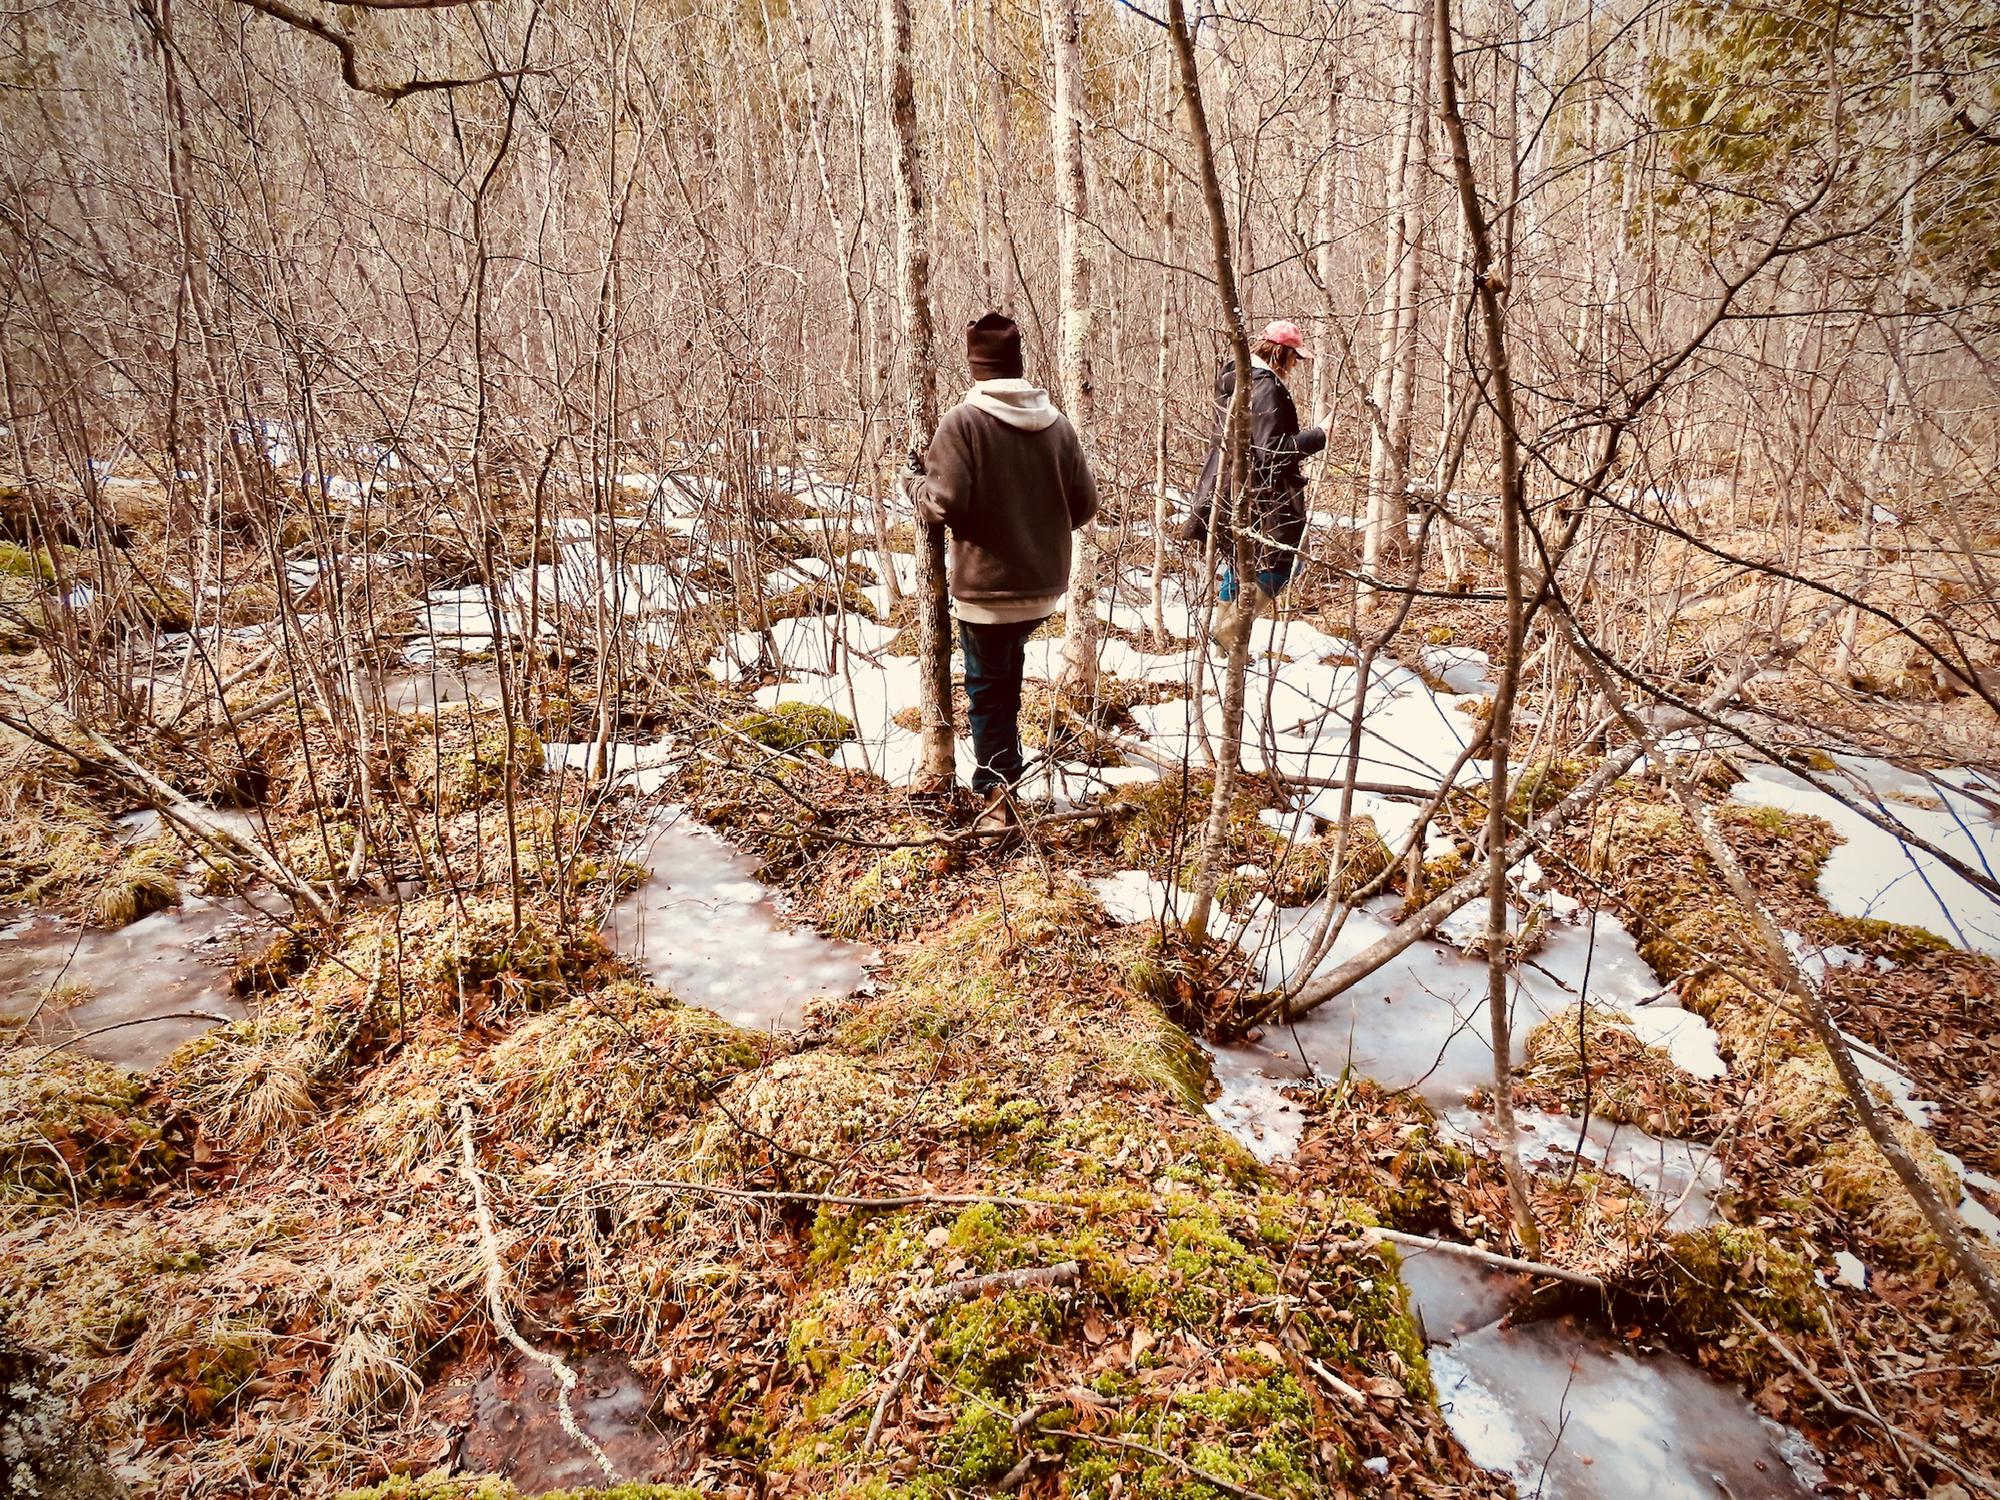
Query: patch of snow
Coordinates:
[1873,873]
[1132,896]
[1852,1271]
[1686,1037]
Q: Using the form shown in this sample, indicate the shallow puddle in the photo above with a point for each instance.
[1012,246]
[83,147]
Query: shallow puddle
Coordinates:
[1573,1416]
[704,927]
[144,989]
[513,1429]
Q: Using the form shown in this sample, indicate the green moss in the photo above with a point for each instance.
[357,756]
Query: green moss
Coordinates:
[791,728]
[459,761]
[73,1128]
[17,561]
[991,1343]
[1541,784]
[978,1448]
[626,1062]
[1164,820]
[1704,1273]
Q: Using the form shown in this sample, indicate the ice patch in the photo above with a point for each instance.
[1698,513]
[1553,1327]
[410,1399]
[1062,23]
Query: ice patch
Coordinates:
[705,928]
[1873,873]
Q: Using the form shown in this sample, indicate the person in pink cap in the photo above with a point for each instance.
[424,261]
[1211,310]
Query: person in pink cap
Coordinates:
[1274,503]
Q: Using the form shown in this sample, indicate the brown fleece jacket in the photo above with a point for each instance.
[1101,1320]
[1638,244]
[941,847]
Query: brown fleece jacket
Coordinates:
[1010,497]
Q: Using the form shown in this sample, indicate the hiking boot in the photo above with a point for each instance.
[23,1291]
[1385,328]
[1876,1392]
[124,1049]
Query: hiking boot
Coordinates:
[997,816]
[1231,628]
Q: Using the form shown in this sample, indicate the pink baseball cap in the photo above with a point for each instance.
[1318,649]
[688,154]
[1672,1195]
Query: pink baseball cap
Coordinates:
[1285,333]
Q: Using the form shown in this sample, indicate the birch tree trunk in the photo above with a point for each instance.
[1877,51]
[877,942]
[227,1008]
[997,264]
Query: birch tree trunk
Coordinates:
[1235,469]
[1387,534]
[1063,22]
[1003,159]
[935,765]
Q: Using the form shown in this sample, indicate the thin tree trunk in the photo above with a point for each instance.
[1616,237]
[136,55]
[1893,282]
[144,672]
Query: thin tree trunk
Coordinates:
[1512,506]
[935,765]
[1003,156]
[1063,20]
[1236,442]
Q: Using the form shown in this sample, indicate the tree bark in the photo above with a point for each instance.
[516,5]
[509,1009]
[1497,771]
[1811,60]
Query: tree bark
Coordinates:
[1063,20]
[935,765]
[1513,504]
[1236,441]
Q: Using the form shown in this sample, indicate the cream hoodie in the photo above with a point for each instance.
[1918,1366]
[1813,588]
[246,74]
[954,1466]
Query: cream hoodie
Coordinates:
[1018,403]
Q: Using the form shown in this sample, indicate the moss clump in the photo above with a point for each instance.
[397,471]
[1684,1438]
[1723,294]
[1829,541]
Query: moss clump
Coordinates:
[791,728]
[72,1128]
[1899,942]
[1164,821]
[992,1343]
[271,967]
[813,599]
[143,881]
[884,900]
[17,561]
[1593,1050]
[1304,869]
[628,1061]
[459,759]
[251,1080]
[1855,1179]
[52,841]
[1702,1275]
[403,1111]
[477,960]
[801,1117]
[1541,784]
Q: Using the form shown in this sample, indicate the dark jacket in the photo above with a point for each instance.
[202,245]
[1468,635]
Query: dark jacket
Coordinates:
[1011,490]
[1274,505]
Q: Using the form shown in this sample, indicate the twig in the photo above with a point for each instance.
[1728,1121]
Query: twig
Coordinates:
[838,1200]
[1353,1393]
[1193,1471]
[1488,1257]
[1820,1387]
[896,1379]
[171,1015]
[934,1300]
[937,1299]
[496,1302]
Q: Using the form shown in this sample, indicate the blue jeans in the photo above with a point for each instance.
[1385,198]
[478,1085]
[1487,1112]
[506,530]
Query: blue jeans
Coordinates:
[994,657]
[1270,580]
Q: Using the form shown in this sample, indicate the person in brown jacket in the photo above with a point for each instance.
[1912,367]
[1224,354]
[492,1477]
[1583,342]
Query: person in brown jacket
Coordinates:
[1005,474]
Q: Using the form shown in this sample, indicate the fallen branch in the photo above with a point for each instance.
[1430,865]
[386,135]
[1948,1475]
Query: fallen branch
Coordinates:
[173,807]
[1846,1409]
[936,1299]
[496,1302]
[838,1200]
[1488,1257]
[1941,1217]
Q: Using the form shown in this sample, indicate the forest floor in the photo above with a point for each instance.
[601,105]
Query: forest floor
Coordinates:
[829,1150]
